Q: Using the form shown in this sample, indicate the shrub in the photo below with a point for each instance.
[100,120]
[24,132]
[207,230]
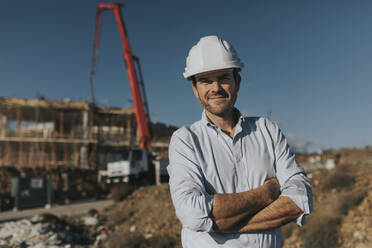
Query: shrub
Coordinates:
[339,178]
[119,191]
[322,231]
[118,217]
[121,239]
[349,199]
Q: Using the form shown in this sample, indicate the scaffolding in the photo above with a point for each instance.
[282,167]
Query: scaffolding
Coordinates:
[39,132]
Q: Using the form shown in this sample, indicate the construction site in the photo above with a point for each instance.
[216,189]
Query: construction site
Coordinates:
[65,150]
[42,133]
[69,141]
[67,154]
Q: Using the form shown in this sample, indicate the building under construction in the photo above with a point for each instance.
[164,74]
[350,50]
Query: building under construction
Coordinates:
[38,132]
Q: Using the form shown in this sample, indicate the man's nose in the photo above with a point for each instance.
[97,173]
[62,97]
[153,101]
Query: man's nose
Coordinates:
[215,86]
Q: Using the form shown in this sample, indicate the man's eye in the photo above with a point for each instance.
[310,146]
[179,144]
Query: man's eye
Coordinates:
[225,78]
[205,81]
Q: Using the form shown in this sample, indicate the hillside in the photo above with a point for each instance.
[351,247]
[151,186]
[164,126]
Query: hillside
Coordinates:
[342,215]
[341,218]
[146,218]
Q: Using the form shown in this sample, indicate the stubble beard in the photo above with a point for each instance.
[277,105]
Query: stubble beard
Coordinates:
[226,110]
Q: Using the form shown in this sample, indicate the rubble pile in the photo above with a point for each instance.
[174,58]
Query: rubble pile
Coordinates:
[26,233]
[49,231]
[33,233]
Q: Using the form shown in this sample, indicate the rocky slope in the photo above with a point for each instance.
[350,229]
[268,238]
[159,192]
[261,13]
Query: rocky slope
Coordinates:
[342,214]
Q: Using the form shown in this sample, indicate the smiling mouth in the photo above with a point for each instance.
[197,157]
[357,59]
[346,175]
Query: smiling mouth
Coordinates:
[217,97]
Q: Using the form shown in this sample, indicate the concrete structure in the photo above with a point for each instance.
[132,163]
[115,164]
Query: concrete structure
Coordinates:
[38,132]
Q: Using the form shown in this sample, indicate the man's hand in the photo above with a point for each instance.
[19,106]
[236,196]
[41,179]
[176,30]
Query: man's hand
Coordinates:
[280,212]
[272,189]
[254,210]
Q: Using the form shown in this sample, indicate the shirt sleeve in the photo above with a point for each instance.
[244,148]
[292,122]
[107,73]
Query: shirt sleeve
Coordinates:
[191,201]
[292,178]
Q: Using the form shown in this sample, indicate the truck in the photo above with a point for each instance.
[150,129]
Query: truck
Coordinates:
[128,165]
[134,164]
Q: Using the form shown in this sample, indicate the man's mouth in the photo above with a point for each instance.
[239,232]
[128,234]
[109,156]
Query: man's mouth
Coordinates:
[219,96]
[216,97]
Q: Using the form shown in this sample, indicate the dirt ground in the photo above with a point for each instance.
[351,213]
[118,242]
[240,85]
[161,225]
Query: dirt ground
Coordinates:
[342,215]
[146,218]
[77,208]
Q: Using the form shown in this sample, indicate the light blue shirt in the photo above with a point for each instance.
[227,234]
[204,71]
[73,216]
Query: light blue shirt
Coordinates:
[204,161]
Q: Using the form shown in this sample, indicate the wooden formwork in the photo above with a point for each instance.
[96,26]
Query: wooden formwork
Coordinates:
[37,132]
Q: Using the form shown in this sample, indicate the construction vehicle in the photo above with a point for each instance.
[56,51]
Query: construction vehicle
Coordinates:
[128,166]
[133,164]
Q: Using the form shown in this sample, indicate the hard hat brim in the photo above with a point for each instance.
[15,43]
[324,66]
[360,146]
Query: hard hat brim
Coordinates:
[189,74]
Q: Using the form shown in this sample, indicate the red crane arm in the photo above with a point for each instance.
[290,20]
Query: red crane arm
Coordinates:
[141,119]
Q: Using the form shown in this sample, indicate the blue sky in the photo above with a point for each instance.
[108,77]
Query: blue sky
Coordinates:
[308,63]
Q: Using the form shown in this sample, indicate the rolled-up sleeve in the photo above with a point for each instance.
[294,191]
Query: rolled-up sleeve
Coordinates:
[191,201]
[292,178]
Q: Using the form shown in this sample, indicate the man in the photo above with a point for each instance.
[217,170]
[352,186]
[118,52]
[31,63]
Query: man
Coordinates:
[233,179]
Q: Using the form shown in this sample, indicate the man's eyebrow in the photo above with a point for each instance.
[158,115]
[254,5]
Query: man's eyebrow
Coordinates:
[220,76]
[202,79]
[225,75]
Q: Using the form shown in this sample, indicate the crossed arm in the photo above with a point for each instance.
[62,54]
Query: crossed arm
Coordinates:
[254,210]
[250,211]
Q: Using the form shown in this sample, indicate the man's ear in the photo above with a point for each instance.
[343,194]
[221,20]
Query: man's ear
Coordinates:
[195,90]
[237,81]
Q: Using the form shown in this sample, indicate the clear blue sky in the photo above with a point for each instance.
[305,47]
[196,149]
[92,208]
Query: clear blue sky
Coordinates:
[308,62]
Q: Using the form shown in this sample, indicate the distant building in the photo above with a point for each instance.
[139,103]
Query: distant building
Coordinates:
[39,132]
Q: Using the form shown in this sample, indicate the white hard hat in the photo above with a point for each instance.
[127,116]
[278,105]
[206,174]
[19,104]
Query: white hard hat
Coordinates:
[209,54]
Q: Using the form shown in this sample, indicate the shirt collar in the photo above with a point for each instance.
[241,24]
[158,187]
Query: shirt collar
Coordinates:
[206,121]
[238,127]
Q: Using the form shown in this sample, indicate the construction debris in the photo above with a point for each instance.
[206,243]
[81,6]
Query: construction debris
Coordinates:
[43,231]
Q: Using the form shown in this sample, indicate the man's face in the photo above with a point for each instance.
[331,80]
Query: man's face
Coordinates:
[217,90]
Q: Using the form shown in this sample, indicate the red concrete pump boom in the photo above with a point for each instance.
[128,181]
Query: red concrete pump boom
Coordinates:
[141,118]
